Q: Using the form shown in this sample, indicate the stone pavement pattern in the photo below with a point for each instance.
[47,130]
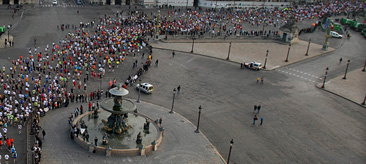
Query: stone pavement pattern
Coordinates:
[248,52]
[180,143]
[352,88]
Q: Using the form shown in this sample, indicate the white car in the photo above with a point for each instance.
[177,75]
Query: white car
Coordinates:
[254,65]
[145,87]
[335,34]
[54,2]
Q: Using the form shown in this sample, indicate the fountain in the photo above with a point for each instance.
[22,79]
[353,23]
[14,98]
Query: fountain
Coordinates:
[119,125]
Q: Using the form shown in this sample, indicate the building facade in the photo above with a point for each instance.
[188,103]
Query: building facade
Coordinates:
[184,3]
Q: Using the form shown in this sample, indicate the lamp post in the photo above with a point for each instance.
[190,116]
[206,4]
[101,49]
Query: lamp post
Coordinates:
[345,73]
[288,52]
[231,146]
[228,54]
[307,51]
[363,70]
[265,61]
[138,98]
[8,33]
[199,116]
[215,5]
[325,76]
[192,44]
[171,110]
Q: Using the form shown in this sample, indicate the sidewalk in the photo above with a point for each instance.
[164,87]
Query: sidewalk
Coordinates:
[248,52]
[180,143]
[355,89]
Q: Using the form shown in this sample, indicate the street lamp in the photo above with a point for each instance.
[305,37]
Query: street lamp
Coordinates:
[265,61]
[363,70]
[192,44]
[307,51]
[231,146]
[215,5]
[8,32]
[228,54]
[138,98]
[288,52]
[199,116]
[345,73]
[171,110]
[325,76]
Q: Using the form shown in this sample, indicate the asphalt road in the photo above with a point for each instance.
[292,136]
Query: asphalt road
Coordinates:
[301,123]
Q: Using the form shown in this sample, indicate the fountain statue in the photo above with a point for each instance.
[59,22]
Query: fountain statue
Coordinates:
[118,120]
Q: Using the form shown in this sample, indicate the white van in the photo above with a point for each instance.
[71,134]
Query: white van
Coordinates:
[145,87]
[335,34]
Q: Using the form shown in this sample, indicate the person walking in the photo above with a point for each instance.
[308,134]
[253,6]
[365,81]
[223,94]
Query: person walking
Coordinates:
[340,60]
[261,121]
[262,79]
[43,134]
[255,108]
[178,89]
[96,141]
[6,156]
[255,118]
[173,54]
[160,121]
[258,109]
[258,80]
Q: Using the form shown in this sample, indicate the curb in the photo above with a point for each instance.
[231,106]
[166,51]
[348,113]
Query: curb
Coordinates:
[326,53]
[359,104]
[175,112]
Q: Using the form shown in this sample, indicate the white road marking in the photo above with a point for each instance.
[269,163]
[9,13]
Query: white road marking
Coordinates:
[276,66]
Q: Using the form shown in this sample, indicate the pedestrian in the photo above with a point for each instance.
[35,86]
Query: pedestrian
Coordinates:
[340,60]
[87,137]
[255,108]
[96,141]
[15,155]
[258,80]
[255,118]
[6,156]
[160,121]
[261,121]
[173,54]
[262,78]
[258,109]
[43,134]
[178,89]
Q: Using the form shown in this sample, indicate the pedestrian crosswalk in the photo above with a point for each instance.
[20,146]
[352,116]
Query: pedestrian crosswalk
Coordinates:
[61,5]
[300,74]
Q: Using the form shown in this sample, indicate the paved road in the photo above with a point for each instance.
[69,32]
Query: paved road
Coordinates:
[301,123]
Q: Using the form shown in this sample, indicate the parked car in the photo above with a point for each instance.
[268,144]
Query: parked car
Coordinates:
[54,2]
[335,34]
[253,65]
[78,2]
[145,87]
